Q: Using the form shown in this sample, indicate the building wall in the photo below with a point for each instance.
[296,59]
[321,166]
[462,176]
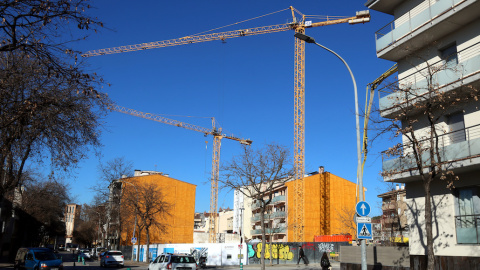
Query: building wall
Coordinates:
[242,218]
[326,195]
[225,221]
[181,196]
[444,210]
[72,216]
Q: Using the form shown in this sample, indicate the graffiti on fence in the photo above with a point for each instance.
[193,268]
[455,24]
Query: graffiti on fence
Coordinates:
[278,251]
[326,247]
[197,253]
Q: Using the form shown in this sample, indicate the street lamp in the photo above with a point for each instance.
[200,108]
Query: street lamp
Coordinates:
[309,39]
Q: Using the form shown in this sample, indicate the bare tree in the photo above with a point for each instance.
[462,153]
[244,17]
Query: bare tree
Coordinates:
[108,187]
[97,212]
[45,201]
[256,173]
[149,206]
[109,171]
[42,29]
[421,110]
[345,217]
[50,105]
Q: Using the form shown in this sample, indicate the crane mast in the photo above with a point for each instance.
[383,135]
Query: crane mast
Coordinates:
[217,141]
[299,87]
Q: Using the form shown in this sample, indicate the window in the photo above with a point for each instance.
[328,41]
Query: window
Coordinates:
[456,126]
[449,55]
[467,221]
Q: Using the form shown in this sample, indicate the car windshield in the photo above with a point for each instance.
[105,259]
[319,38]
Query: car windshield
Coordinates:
[115,253]
[45,256]
[183,259]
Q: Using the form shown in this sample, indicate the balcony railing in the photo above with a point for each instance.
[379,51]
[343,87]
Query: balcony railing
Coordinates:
[278,199]
[278,214]
[390,206]
[279,230]
[393,94]
[423,14]
[453,146]
[468,229]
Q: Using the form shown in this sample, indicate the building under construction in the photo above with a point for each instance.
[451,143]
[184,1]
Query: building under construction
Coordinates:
[328,209]
[178,222]
[329,205]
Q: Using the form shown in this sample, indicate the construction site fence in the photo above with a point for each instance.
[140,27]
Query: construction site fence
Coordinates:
[221,254]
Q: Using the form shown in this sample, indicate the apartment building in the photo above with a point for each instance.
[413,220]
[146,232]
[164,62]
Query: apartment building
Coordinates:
[436,44]
[179,195]
[72,220]
[393,222]
[328,198]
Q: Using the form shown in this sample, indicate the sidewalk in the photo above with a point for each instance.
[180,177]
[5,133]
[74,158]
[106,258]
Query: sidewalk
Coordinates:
[144,265]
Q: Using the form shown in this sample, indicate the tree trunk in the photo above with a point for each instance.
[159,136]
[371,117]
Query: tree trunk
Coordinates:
[148,244]
[271,250]
[428,226]
[262,224]
[138,246]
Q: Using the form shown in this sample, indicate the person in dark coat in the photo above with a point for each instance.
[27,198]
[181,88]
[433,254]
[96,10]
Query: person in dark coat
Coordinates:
[325,262]
[301,255]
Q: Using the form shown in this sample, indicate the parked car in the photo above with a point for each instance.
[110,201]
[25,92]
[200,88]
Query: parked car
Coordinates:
[112,257]
[37,258]
[85,253]
[98,251]
[173,262]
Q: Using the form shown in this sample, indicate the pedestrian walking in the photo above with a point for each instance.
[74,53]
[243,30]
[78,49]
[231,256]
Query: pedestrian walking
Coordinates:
[301,255]
[325,262]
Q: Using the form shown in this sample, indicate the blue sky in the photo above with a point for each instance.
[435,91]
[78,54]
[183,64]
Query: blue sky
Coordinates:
[245,83]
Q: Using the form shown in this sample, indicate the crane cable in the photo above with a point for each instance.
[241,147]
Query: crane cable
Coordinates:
[201,33]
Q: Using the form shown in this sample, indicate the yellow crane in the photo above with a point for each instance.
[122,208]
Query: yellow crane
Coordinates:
[217,139]
[297,25]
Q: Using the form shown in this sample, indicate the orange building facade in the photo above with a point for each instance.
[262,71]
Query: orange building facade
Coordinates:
[329,200]
[179,222]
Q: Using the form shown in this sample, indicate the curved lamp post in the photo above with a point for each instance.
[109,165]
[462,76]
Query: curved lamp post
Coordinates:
[309,39]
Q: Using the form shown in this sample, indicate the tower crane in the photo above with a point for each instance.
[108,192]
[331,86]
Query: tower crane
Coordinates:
[297,25]
[217,139]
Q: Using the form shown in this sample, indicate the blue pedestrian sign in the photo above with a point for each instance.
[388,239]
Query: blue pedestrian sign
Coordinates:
[364,231]
[362,208]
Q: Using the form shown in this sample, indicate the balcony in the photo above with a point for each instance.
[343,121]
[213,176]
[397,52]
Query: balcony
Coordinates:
[255,206]
[274,215]
[468,229]
[389,207]
[257,217]
[449,76]
[421,25]
[278,199]
[459,149]
[278,214]
[279,230]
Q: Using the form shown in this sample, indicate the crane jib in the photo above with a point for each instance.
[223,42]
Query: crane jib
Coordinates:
[191,39]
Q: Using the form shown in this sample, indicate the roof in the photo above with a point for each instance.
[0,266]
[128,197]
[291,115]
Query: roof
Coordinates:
[391,193]
[156,175]
[385,6]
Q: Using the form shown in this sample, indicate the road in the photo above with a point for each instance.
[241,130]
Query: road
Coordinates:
[69,264]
